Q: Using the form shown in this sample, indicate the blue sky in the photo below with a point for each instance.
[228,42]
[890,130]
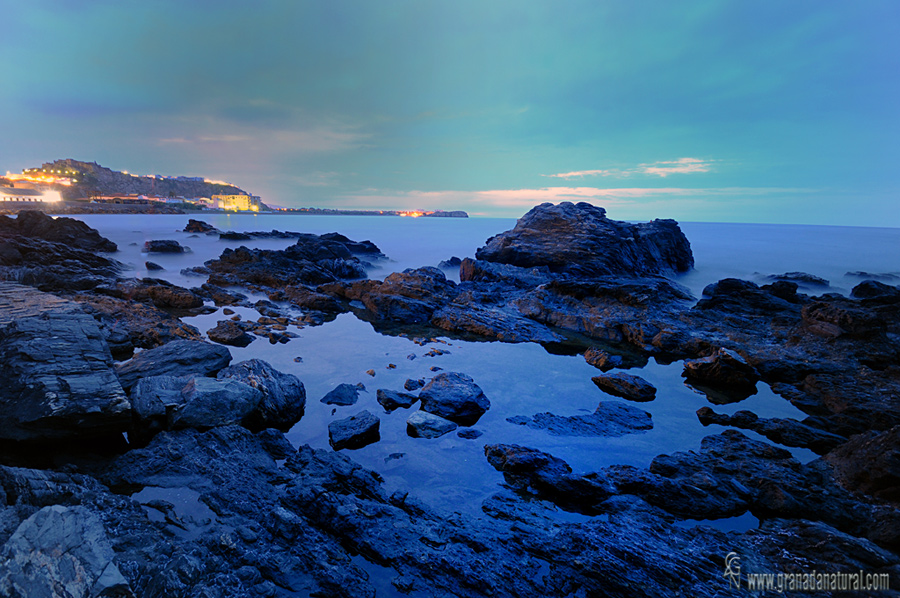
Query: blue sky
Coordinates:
[744,111]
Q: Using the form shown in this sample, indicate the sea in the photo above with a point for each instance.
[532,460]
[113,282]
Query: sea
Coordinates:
[451,473]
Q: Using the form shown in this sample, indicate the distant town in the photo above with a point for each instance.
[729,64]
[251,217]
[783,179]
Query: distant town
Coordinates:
[74,186]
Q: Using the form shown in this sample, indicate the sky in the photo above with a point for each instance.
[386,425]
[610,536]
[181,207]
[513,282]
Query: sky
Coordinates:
[781,111]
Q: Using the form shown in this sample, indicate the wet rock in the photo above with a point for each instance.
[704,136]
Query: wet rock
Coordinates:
[601,359]
[227,332]
[454,396]
[343,394]
[788,432]
[578,239]
[725,375]
[453,263]
[52,266]
[627,386]
[163,246]
[870,463]
[485,271]
[803,278]
[176,358]
[410,297]
[160,293]
[880,277]
[57,370]
[173,403]
[307,299]
[231,235]
[284,396]
[391,400]
[838,317]
[412,384]
[354,432]
[65,231]
[61,551]
[153,266]
[199,226]
[422,424]
[470,434]
[506,325]
[610,419]
[872,289]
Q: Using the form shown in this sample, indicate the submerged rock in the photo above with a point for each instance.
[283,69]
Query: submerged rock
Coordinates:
[354,432]
[422,424]
[725,375]
[611,419]
[454,396]
[627,386]
[788,432]
[391,399]
[153,266]
[177,358]
[343,394]
[199,226]
[284,396]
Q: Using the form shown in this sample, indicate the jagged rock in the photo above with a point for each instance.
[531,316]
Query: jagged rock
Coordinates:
[411,296]
[199,226]
[601,359]
[160,293]
[153,266]
[227,332]
[163,246]
[57,370]
[66,231]
[52,266]
[414,384]
[627,386]
[578,239]
[611,418]
[451,264]
[870,463]
[484,271]
[176,358]
[422,424]
[173,403]
[872,289]
[343,394]
[284,397]
[725,375]
[219,295]
[800,277]
[504,325]
[391,400]
[837,317]
[306,299]
[354,432]
[61,551]
[456,397]
[788,432]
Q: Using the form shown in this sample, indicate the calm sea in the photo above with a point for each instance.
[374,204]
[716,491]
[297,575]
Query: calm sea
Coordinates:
[452,473]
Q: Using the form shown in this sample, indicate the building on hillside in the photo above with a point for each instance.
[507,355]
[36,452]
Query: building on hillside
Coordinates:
[14,194]
[241,203]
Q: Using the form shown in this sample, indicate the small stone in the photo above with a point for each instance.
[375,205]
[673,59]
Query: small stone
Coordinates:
[298,359]
[627,386]
[435,368]
[228,311]
[391,366]
[370,372]
[343,394]
[470,433]
[153,266]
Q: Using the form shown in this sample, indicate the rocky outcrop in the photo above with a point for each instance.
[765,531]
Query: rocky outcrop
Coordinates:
[176,358]
[502,324]
[579,240]
[199,227]
[409,297]
[788,432]
[64,231]
[456,397]
[283,395]
[354,432]
[725,376]
[228,332]
[57,371]
[870,463]
[161,293]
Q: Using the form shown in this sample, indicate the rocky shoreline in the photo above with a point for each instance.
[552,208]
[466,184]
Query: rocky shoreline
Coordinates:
[208,498]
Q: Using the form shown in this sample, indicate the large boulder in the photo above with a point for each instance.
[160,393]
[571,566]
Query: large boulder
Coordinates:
[284,397]
[354,432]
[57,370]
[579,240]
[454,396]
[61,551]
[176,358]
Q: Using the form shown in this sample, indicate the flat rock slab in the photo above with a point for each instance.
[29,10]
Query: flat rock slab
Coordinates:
[58,380]
[627,386]
[284,396]
[422,424]
[391,399]
[176,358]
[354,432]
[611,418]
[343,394]
[454,396]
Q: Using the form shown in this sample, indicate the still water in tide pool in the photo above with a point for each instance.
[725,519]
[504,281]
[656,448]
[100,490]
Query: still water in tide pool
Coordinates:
[451,473]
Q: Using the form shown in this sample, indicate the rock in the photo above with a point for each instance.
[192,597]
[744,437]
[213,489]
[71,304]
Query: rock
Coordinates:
[354,432]
[470,434]
[454,396]
[578,239]
[57,370]
[610,419]
[231,235]
[451,264]
[884,276]
[343,394]
[800,277]
[411,296]
[199,226]
[61,551]
[870,463]
[601,359]
[66,231]
[872,289]
[160,293]
[173,403]
[627,386]
[422,424]
[788,432]
[284,397]
[219,295]
[725,375]
[163,246]
[228,332]
[176,358]
[412,384]
[391,400]
[153,266]
[310,300]
[484,271]
[506,325]
[838,317]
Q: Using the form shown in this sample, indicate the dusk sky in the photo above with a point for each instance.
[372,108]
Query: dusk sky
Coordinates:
[749,111]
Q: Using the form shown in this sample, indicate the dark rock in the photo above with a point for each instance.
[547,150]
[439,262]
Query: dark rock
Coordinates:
[470,433]
[411,384]
[176,358]
[199,226]
[788,432]
[66,231]
[627,386]
[343,394]
[411,296]
[52,266]
[163,246]
[311,300]
[57,370]
[835,318]
[234,236]
[422,424]
[871,289]
[221,296]
[160,293]
[456,397]
[284,397]
[800,277]
[578,239]
[227,332]
[724,375]
[391,400]
[484,271]
[354,432]
[453,263]
[611,419]
[505,325]
[153,266]
[870,463]
[61,551]
[601,359]
[885,276]
[366,248]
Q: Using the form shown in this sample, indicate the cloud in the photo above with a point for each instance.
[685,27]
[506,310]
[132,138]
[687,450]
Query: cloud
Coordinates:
[660,169]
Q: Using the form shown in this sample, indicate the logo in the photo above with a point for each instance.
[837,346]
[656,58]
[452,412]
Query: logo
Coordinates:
[733,569]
